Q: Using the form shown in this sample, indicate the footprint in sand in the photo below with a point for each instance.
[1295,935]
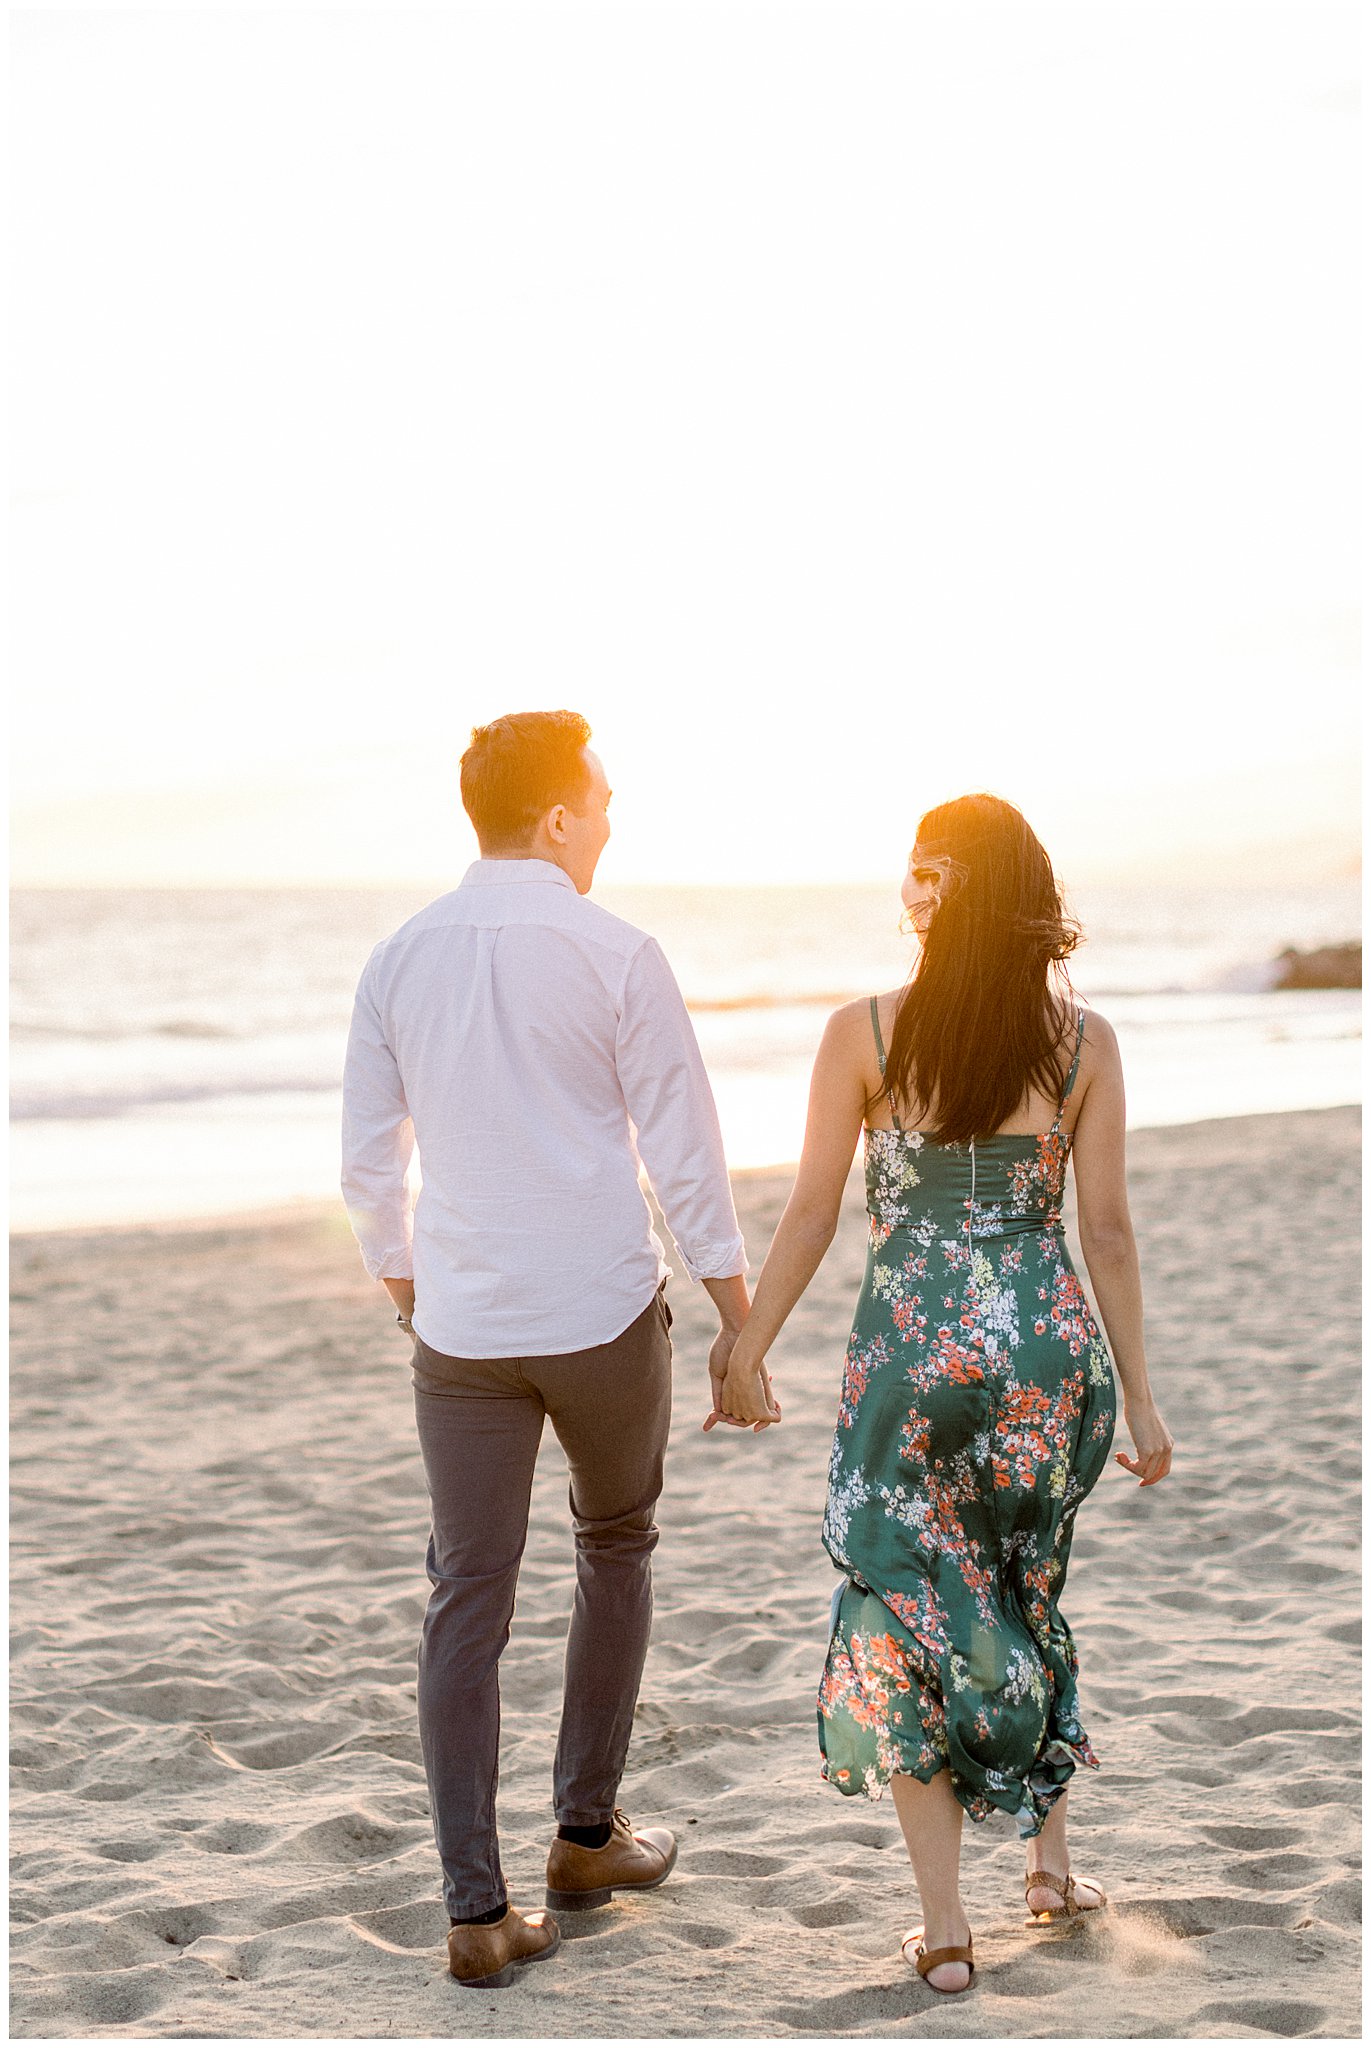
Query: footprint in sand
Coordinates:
[1238,1836]
[1169,1919]
[840,1912]
[119,1998]
[173,1926]
[277,1749]
[1020,1979]
[1283,2016]
[419,1926]
[858,1834]
[1230,1732]
[863,2008]
[734,1863]
[346,1838]
[170,1701]
[704,1934]
[752,1658]
[1279,1872]
[234,1837]
[1311,1792]
[1340,1902]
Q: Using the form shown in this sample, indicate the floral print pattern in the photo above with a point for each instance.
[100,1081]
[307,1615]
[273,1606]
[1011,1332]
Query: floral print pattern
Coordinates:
[977,1412]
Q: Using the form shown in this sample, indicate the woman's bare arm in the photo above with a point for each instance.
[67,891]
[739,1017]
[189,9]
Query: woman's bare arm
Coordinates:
[837,1106]
[1111,1254]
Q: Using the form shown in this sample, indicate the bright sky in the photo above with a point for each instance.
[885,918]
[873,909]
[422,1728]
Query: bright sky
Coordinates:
[841,406]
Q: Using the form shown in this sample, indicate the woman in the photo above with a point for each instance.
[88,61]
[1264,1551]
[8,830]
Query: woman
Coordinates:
[977,1407]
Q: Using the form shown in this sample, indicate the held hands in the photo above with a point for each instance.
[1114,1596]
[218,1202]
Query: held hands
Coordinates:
[1152,1441]
[741,1394]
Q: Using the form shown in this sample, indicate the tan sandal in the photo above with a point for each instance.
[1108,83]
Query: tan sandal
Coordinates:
[926,1959]
[1065,1888]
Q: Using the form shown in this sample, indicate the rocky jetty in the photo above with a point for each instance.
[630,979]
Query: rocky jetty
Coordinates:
[1322,967]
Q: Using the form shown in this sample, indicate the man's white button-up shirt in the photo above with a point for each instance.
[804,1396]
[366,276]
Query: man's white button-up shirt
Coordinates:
[536,1048]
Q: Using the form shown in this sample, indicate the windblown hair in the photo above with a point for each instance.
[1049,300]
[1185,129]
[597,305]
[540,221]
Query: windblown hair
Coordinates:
[517,768]
[982,1019]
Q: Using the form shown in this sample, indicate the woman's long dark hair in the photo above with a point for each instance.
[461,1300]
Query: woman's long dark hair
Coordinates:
[977,1026]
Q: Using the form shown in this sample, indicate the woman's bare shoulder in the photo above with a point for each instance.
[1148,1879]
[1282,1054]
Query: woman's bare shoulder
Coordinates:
[1099,1036]
[1097,1032]
[848,1033]
[844,1028]
[1100,1062]
[855,1016]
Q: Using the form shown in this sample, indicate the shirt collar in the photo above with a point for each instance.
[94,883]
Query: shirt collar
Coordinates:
[502,872]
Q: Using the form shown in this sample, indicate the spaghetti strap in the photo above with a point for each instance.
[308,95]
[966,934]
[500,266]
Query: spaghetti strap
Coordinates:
[880,1060]
[1070,1081]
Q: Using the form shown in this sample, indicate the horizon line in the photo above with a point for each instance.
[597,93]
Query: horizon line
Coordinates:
[1133,879]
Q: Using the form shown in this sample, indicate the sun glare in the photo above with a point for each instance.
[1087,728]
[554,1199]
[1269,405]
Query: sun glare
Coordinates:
[817,467]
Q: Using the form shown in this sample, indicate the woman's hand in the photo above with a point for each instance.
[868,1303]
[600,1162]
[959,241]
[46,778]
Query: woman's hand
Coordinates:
[1152,1441]
[720,1351]
[743,1395]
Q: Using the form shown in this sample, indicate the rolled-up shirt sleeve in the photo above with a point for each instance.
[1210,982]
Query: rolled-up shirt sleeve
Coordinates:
[378,1144]
[672,1107]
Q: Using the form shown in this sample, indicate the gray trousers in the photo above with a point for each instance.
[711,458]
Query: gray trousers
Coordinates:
[480,1421]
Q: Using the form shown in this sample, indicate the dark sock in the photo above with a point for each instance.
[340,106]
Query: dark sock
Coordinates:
[484,1919]
[589,1838]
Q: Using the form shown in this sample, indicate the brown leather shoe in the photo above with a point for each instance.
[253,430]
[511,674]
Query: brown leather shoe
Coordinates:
[579,1878]
[484,1958]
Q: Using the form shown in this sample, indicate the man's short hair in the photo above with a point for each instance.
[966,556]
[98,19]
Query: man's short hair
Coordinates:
[517,768]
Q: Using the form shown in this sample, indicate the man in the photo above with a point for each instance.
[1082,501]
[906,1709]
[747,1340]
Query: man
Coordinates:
[524,1038]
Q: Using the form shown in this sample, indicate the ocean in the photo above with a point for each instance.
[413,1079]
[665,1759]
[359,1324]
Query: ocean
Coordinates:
[176,1053]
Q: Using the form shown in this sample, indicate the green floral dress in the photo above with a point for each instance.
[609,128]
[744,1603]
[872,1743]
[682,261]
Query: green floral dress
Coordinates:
[977,1413]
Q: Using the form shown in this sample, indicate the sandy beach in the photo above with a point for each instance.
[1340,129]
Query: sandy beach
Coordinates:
[220,1825]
